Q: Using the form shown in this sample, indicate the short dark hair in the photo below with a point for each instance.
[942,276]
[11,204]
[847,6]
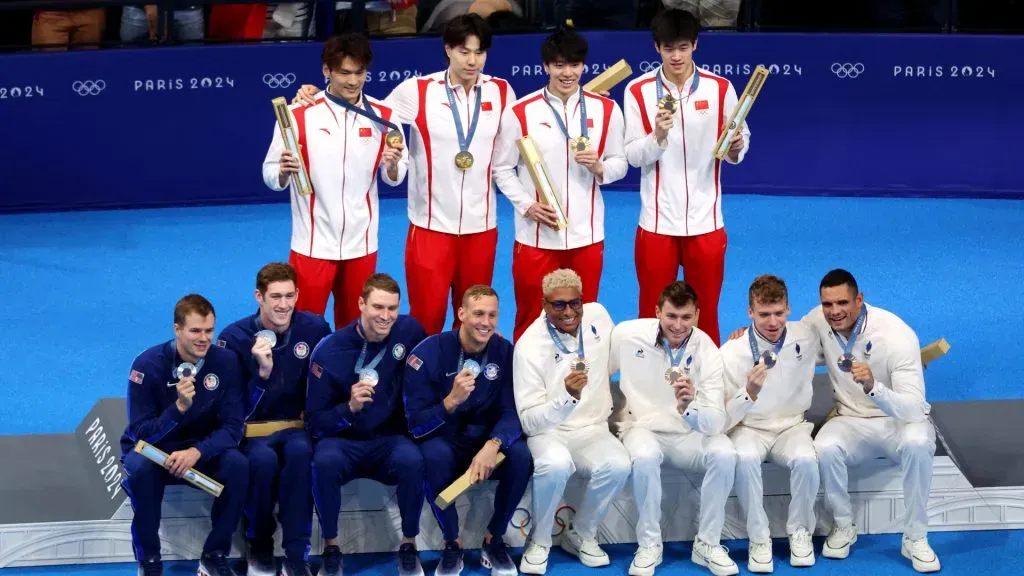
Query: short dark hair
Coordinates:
[274,272]
[838,277]
[565,45]
[192,303]
[354,46]
[767,289]
[380,281]
[678,294]
[675,26]
[477,291]
[460,28]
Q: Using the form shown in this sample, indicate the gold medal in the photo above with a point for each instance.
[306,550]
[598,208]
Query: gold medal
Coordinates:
[668,103]
[464,160]
[580,144]
[394,138]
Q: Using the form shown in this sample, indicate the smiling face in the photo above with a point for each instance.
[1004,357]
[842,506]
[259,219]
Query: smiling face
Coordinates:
[676,57]
[769,319]
[841,305]
[194,335]
[377,313]
[479,317]
[564,77]
[676,322]
[564,309]
[277,305]
[347,79]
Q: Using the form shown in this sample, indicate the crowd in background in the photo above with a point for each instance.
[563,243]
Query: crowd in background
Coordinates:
[56,28]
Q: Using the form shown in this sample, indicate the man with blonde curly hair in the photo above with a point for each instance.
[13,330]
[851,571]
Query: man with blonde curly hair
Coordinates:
[564,401]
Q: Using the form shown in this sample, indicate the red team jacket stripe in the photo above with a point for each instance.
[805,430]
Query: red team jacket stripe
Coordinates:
[520,112]
[608,108]
[385,113]
[636,91]
[503,92]
[723,87]
[421,125]
[300,125]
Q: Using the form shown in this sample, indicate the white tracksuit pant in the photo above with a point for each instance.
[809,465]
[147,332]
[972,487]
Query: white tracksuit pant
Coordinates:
[848,441]
[713,455]
[792,448]
[593,452]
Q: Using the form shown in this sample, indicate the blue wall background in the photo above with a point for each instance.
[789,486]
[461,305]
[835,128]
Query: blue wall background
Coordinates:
[862,114]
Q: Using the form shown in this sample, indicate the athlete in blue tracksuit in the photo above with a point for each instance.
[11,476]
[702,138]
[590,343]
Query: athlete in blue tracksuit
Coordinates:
[196,417]
[455,429]
[280,464]
[354,412]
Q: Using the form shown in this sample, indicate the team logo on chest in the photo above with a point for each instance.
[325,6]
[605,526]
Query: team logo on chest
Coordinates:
[799,356]
[211,382]
[301,350]
[491,371]
[398,351]
[597,337]
[867,350]
[640,353]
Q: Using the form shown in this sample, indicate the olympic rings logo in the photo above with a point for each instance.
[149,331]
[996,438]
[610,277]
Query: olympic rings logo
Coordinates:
[88,87]
[847,69]
[279,80]
[648,66]
[521,520]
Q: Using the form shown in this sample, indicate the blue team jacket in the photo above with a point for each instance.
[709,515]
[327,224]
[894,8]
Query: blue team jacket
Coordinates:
[283,395]
[212,424]
[490,411]
[332,374]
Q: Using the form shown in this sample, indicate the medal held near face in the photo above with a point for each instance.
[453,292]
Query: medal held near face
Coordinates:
[185,370]
[580,362]
[770,356]
[269,335]
[675,371]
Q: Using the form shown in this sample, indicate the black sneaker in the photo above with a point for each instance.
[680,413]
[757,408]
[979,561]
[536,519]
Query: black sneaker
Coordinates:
[409,561]
[330,561]
[260,562]
[151,567]
[215,564]
[295,568]
[494,555]
[451,560]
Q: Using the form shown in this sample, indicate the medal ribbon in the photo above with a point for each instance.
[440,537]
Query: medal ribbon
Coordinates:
[661,89]
[673,360]
[755,351]
[561,124]
[362,355]
[858,327]
[464,139]
[366,110]
[462,358]
[558,341]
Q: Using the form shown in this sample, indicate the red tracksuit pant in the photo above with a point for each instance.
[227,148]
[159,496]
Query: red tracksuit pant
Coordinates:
[317,279]
[439,265]
[658,258]
[530,265]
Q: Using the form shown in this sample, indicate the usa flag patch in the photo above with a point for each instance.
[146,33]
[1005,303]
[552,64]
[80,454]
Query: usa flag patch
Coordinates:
[415,362]
[136,376]
[316,369]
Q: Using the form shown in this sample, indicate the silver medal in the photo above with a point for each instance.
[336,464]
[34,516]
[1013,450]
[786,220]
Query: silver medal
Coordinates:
[184,370]
[769,358]
[269,336]
[473,366]
[369,376]
[845,362]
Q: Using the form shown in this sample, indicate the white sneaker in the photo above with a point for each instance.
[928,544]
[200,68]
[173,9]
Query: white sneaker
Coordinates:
[714,558]
[646,559]
[840,540]
[759,557]
[535,559]
[801,549]
[920,554]
[586,549]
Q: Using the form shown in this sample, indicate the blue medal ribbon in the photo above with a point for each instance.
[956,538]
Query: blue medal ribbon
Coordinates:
[661,89]
[561,124]
[360,368]
[464,139]
[366,110]
[558,341]
[858,327]
[462,358]
[674,361]
[755,349]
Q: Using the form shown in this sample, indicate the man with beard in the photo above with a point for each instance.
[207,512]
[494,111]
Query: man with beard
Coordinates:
[461,408]
[579,136]
[564,401]
[274,345]
[354,413]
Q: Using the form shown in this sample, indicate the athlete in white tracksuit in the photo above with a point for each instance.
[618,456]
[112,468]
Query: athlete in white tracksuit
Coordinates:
[874,364]
[564,401]
[670,373]
[769,375]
